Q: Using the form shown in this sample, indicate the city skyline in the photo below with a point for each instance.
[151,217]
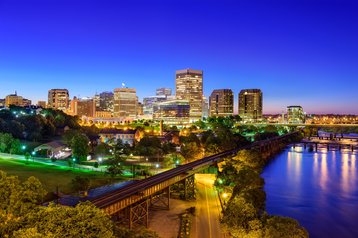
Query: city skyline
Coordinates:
[298,53]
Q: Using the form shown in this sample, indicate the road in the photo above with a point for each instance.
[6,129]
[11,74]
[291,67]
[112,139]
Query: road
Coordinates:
[206,222]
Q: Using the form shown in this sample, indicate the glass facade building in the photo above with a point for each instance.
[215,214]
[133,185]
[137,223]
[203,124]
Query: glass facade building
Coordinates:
[221,102]
[250,104]
[189,86]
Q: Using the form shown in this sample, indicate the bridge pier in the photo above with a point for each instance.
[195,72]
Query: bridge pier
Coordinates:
[327,147]
[138,214]
[189,188]
[161,200]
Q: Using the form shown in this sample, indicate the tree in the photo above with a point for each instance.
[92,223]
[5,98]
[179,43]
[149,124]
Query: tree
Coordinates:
[173,159]
[115,166]
[149,147]
[241,218]
[84,220]
[6,141]
[250,158]
[79,146]
[17,198]
[285,227]
[81,183]
[22,216]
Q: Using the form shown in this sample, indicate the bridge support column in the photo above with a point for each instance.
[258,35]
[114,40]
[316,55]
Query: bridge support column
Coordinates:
[138,214]
[304,145]
[316,146]
[327,146]
[189,188]
[352,148]
[161,200]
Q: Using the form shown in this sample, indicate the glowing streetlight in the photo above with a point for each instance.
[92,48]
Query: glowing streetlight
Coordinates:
[225,195]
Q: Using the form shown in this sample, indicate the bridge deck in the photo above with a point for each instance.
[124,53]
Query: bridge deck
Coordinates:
[115,201]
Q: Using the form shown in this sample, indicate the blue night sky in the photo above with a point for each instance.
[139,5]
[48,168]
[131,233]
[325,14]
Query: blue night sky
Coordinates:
[301,52]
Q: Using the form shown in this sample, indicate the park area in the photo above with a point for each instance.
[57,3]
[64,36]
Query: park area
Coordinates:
[52,176]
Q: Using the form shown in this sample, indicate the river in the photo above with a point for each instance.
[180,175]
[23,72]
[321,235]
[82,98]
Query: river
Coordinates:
[319,189]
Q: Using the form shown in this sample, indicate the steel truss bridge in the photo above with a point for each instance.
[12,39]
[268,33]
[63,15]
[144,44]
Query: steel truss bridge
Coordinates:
[132,202]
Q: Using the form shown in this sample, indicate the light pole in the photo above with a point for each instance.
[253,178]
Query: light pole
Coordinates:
[33,153]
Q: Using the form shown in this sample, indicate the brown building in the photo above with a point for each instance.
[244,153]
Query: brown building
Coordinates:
[58,99]
[14,99]
[250,104]
[41,104]
[189,86]
[125,103]
[83,107]
[221,102]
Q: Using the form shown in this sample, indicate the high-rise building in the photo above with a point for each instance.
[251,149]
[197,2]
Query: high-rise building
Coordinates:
[83,107]
[2,102]
[250,104]
[172,112]
[221,102]
[106,101]
[125,103]
[205,107]
[58,99]
[189,86]
[16,100]
[295,115]
[164,91]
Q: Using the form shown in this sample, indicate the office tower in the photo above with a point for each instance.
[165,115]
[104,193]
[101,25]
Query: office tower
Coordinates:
[83,107]
[221,102]
[250,104]
[14,99]
[164,91]
[172,112]
[58,99]
[189,86]
[205,107]
[125,103]
[106,101]
[295,115]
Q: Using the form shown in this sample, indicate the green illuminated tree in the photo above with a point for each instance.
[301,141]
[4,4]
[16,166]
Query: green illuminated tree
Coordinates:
[79,146]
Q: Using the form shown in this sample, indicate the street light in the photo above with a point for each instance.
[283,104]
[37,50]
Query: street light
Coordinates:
[23,147]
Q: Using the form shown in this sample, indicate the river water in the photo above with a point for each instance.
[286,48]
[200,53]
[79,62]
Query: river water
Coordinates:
[319,189]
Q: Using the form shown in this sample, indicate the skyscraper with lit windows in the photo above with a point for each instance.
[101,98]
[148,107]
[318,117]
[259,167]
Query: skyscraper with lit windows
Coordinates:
[189,86]
[250,104]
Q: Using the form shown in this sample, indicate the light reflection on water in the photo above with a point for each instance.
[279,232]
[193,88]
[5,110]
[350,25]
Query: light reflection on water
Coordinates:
[320,189]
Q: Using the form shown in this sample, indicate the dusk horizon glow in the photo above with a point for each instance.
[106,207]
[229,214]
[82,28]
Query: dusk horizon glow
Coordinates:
[298,52]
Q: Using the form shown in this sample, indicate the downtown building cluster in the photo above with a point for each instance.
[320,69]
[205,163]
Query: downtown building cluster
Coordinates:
[186,105]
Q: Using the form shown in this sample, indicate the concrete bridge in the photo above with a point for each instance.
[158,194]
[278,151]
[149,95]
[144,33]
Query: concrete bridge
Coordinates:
[132,202]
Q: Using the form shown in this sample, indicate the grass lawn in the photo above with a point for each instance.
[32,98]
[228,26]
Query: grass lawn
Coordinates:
[51,176]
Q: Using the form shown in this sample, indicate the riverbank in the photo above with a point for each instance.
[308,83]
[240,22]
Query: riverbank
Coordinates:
[245,212]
